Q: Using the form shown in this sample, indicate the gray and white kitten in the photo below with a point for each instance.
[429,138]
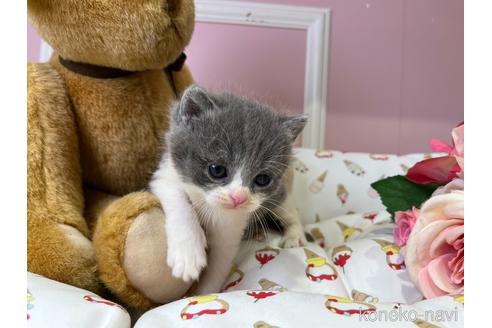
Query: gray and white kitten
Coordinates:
[227,162]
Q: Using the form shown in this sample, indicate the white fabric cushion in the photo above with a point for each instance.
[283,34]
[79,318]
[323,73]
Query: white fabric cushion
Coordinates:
[54,304]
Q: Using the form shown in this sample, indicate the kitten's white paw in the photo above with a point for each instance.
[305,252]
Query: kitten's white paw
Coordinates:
[187,257]
[293,238]
[291,242]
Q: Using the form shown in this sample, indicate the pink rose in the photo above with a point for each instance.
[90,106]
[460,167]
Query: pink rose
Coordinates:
[404,225]
[442,169]
[455,184]
[459,145]
[435,249]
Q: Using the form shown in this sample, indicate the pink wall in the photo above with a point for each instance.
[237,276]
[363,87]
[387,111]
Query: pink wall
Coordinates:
[33,44]
[396,69]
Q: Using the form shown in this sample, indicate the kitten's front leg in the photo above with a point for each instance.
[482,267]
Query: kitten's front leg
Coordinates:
[223,246]
[293,230]
[186,241]
[293,236]
[219,265]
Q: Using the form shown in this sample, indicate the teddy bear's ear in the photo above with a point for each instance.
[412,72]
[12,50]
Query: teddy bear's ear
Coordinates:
[194,102]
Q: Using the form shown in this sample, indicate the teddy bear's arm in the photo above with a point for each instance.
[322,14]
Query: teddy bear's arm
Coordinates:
[58,236]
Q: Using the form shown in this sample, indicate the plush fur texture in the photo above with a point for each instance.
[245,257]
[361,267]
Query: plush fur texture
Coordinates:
[93,143]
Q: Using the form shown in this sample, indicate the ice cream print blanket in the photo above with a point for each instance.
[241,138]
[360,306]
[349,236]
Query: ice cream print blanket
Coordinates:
[362,282]
[350,274]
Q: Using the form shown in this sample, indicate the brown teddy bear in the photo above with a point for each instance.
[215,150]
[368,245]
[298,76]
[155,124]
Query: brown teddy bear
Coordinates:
[96,115]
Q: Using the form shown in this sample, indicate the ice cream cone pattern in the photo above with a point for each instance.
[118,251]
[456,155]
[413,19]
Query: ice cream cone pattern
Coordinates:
[317,185]
[265,255]
[342,193]
[234,278]
[379,157]
[424,324]
[261,294]
[30,301]
[322,153]
[204,305]
[354,168]
[348,231]
[318,237]
[300,166]
[393,256]
[460,298]
[363,297]
[340,255]
[263,324]
[313,260]
[270,285]
[98,300]
[370,216]
[347,307]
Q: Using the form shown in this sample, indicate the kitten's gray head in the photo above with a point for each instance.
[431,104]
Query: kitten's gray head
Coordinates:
[231,152]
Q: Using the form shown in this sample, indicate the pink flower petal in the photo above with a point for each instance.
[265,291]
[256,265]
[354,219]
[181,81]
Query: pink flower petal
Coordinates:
[440,273]
[427,286]
[441,146]
[433,170]
[419,244]
[434,208]
[457,266]
[458,134]
[443,242]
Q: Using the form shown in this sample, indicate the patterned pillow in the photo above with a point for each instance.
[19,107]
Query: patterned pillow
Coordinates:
[331,183]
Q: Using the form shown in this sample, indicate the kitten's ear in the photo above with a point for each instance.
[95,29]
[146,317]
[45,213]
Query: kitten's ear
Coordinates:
[194,102]
[295,125]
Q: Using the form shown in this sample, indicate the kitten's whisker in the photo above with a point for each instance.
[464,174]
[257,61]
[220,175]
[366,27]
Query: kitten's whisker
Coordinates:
[277,163]
[276,204]
[281,219]
[263,227]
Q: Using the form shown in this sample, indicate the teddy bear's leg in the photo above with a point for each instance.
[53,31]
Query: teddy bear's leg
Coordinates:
[58,244]
[130,243]
[61,252]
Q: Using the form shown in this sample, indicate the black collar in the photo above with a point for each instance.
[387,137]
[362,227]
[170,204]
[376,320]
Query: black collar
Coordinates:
[104,72]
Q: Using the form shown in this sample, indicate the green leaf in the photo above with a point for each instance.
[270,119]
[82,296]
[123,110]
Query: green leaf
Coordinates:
[400,194]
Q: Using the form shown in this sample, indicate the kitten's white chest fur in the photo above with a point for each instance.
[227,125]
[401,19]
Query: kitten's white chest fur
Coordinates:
[187,212]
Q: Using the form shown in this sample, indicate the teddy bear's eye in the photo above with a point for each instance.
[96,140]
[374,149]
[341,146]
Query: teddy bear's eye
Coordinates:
[169,6]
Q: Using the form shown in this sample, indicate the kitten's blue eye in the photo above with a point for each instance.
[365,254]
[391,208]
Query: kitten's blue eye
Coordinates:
[217,171]
[262,180]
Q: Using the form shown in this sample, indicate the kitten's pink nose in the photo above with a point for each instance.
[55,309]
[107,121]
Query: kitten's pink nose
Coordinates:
[238,198]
